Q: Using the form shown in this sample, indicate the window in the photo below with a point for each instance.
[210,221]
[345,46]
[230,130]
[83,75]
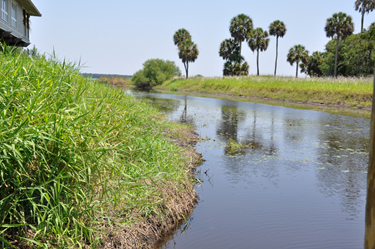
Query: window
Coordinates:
[14,15]
[4,10]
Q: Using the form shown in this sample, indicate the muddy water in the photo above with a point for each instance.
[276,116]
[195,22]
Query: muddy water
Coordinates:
[301,185]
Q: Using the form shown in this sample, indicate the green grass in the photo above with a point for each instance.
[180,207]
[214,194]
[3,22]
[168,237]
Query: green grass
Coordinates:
[73,152]
[346,91]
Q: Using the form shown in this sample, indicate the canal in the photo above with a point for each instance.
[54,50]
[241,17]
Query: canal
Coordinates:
[298,182]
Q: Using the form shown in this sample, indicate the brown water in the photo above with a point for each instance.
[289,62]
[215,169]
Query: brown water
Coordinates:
[303,185]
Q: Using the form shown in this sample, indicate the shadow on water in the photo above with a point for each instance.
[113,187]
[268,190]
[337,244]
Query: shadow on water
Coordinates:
[301,183]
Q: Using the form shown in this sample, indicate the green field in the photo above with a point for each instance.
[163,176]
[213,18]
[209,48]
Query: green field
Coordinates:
[342,91]
[80,161]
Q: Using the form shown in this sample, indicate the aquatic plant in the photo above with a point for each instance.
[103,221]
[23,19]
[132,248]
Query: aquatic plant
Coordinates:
[233,147]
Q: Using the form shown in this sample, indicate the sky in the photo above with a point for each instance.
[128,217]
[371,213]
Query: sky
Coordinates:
[118,36]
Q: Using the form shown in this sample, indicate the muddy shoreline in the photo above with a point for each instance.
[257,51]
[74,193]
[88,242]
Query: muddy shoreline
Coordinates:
[337,108]
[178,202]
[335,105]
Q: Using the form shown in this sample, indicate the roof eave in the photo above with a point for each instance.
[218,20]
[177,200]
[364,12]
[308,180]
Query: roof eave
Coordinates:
[30,8]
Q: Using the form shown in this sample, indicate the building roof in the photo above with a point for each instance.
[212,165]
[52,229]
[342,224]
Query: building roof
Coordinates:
[30,7]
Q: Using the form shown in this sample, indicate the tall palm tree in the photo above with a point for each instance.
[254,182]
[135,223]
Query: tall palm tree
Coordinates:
[258,40]
[228,47]
[297,54]
[240,27]
[364,6]
[340,25]
[188,52]
[278,29]
[180,36]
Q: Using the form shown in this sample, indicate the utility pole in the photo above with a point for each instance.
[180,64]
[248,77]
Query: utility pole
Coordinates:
[370,203]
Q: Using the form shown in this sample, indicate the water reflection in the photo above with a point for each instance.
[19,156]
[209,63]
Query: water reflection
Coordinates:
[185,118]
[342,150]
[230,119]
[166,106]
[303,183]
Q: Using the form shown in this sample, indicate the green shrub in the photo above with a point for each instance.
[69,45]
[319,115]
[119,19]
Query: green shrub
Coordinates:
[155,72]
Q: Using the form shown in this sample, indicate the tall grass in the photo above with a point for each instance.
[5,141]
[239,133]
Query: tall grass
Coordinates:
[348,91]
[114,81]
[74,153]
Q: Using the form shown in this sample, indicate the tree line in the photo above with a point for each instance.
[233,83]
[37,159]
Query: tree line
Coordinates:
[346,54]
[352,56]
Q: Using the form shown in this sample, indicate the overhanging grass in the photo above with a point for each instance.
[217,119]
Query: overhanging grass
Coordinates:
[74,152]
[347,91]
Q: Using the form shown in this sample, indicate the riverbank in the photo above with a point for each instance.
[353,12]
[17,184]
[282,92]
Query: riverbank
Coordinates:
[85,165]
[341,92]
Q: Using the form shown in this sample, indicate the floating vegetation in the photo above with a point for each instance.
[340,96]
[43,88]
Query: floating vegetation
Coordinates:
[235,148]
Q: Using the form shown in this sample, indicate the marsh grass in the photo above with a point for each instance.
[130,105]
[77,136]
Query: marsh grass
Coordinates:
[114,81]
[343,91]
[77,156]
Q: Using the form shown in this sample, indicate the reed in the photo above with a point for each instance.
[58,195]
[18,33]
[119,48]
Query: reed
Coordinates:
[343,90]
[76,155]
[114,81]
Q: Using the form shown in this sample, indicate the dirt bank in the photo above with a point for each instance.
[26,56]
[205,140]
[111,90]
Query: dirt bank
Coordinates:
[178,201]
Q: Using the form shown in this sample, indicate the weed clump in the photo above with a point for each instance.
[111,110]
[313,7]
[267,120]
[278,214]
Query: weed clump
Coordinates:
[235,148]
[77,156]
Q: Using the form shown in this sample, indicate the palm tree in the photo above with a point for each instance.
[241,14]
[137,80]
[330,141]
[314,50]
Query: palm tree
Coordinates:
[364,6]
[240,27]
[188,52]
[257,40]
[298,54]
[180,36]
[312,65]
[278,29]
[236,66]
[228,47]
[340,25]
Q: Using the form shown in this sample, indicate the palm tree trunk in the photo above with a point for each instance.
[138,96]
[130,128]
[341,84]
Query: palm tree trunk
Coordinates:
[370,203]
[337,50]
[258,61]
[363,18]
[277,51]
[240,47]
[297,69]
[186,65]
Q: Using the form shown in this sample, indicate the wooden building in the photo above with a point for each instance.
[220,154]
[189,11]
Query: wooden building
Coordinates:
[15,21]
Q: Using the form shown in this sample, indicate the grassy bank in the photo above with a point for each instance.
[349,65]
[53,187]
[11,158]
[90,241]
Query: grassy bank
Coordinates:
[342,91]
[84,165]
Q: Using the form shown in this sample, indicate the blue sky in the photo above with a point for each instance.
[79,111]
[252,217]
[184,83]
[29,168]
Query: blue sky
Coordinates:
[117,36]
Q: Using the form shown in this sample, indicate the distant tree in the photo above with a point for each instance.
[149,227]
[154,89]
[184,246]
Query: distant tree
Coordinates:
[155,72]
[228,47]
[258,40]
[180,36]
[297,54]
[355,55]
[240,27]
[188,52]
[312,65]
[278,29]
[236,66]
[364,6]
[340,25]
